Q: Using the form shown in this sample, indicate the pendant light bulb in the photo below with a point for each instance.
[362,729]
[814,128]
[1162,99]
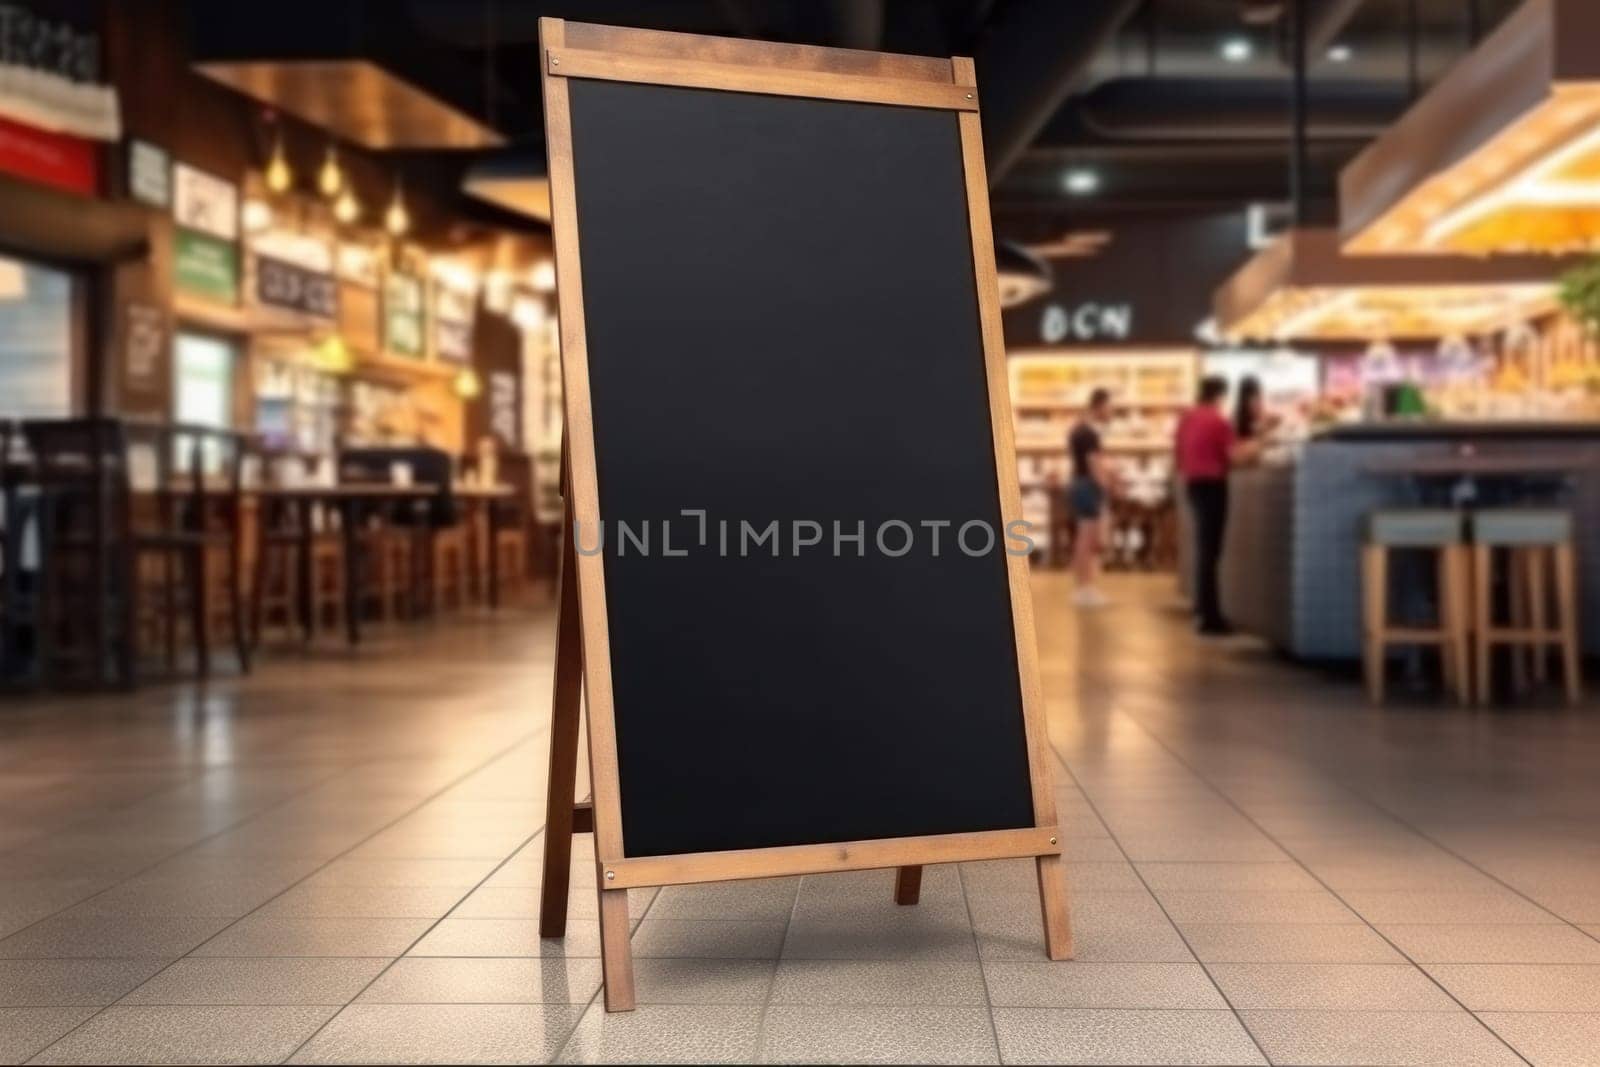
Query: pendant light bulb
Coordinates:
[279,176]
[467,384]
[347,209]
[397,220]
[330,179]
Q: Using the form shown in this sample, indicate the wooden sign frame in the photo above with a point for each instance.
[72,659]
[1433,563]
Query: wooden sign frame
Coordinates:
[583,654]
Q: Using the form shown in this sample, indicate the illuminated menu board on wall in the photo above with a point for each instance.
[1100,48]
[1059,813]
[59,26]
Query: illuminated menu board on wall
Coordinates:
[452,323]
[294,288]
[206,248]
[403,315]
[359,308]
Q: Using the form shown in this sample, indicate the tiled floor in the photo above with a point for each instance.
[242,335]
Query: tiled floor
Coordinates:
[338,860]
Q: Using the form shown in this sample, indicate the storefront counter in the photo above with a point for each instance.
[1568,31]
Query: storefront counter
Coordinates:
[1291,558]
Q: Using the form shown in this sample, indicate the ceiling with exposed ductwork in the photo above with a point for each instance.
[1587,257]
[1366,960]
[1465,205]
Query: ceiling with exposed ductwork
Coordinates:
[1089,106]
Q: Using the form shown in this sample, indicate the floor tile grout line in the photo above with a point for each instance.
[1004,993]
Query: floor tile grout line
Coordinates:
[536,835]
[983,972]
[1238,1018]
[193,696]
[760,1051]
[1214,788]
[599,994]
[207,771]
[419,938]
[522,740]
[1371,714]
[230,828]
[67,827]
[1442,847]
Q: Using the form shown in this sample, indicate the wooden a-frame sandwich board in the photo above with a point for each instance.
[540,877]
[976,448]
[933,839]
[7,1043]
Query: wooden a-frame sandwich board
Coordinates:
[583,655]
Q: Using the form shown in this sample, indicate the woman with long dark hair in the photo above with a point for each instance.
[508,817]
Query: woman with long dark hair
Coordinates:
[1248,408]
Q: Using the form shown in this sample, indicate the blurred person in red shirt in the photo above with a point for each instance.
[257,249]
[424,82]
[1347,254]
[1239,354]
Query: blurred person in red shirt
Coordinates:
[1206,447]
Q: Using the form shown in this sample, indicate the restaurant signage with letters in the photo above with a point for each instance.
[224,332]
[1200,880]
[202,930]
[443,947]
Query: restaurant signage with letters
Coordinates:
[144,347]
[206,209]
[293,287]
[452,323]
[50,77]
[49,158]
[206,266]
[504,405]
[149,174]
[205,203]
[1088,321]
[402,315]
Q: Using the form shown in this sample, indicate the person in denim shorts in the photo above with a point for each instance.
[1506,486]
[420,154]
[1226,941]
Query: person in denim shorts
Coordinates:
[1086,494]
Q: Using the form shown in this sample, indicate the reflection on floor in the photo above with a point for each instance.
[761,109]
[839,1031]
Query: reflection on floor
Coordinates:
[337,861]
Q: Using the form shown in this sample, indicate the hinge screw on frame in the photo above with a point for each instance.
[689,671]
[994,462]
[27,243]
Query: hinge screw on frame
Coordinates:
[1052,840]
[611,876]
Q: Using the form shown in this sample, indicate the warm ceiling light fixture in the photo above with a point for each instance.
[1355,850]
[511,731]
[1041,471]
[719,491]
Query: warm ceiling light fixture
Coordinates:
[396,219]
[330,178]
[1302,288]
[542,276]
[1081,181]
[1074,244]
[347,209]
[256,215]
[467,384]
[1022,276]
[1502,156]
[530,312]
[513,179]
[279,177]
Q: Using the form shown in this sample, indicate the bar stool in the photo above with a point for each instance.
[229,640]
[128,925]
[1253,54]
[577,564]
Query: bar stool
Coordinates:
[327,582]
[387,579]
[511,548]
[1537,544]
[1438,531]
[451,568]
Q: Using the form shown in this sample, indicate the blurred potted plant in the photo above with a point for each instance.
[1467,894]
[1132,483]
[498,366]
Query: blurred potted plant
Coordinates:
[1580,293]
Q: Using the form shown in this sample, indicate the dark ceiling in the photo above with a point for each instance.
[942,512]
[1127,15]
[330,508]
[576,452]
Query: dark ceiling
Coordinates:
[1089,106]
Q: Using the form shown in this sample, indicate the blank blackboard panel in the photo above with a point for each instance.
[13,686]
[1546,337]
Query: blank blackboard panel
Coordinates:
[782,323]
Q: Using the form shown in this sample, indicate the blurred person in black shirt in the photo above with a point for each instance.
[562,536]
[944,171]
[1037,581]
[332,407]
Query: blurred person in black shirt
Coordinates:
[1087,494]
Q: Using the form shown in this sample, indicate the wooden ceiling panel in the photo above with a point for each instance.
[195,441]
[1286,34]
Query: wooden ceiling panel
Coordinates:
[356,100]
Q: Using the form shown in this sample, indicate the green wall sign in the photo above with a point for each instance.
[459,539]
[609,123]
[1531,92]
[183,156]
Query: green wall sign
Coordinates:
[402,315]
[207,266]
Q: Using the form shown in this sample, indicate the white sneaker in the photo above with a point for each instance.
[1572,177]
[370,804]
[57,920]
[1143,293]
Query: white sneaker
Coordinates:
[1088,596]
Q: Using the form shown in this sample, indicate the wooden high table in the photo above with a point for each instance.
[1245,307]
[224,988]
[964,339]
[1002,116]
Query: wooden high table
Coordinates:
[1466,469]
[349,500]
[482,499]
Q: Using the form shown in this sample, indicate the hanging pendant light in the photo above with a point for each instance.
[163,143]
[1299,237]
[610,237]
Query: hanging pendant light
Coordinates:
[279,177]
[347,208]
[330,179]
[397,220]
[467,384]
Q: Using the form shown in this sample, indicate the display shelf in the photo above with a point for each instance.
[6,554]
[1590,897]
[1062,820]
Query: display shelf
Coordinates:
[1062,379]
[1066,408]
[1110,447]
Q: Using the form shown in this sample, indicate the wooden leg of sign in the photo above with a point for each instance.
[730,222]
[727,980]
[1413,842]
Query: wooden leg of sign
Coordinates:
[616,954]
[1053,901]
[565,712]
[908,885]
